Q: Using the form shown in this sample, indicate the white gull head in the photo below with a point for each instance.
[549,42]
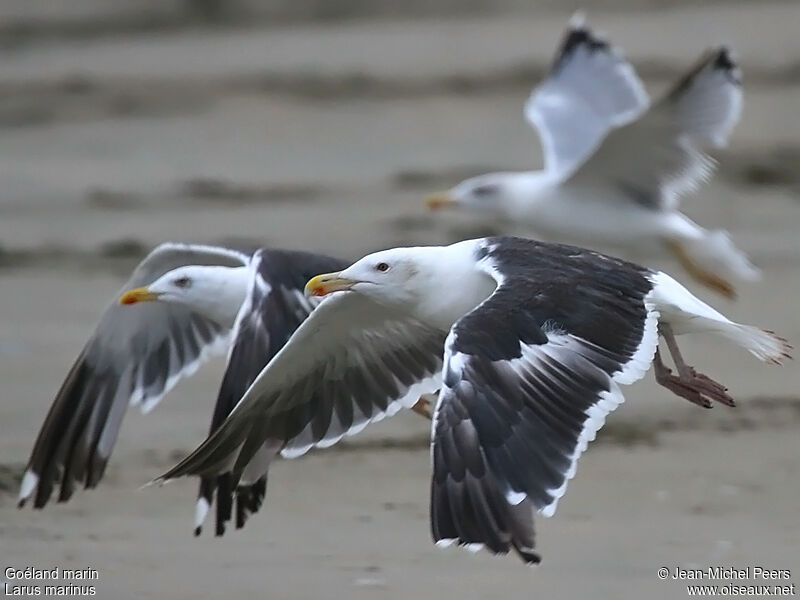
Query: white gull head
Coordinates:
[434,284]
[216,292]
[504,195]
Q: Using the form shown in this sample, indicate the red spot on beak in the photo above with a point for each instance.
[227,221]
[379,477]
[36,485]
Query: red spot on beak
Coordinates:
[137,295]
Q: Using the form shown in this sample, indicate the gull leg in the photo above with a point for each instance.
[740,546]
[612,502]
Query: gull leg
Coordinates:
[689,384]
[674,384]
[707,278]
[424,406]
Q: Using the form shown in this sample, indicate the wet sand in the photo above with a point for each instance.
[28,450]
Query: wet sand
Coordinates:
[326,135]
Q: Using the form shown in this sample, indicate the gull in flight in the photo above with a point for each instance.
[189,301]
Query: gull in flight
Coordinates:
[182,304]
[529,344]
[615,167]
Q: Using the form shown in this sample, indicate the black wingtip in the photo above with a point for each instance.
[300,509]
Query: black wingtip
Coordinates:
[719,60]
[224,497]
[724,61]
[528,556]
[198,530]
[21,503]
[579,34]
[582,35]
[242,500]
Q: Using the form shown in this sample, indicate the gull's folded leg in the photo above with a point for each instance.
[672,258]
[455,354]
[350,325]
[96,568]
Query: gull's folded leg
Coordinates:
[674,384]
[700,274]
[424,406]
[689,384]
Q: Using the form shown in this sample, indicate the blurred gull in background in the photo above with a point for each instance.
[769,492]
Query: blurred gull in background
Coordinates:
[614,169]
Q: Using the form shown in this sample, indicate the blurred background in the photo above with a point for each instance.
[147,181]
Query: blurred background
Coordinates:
[321,125]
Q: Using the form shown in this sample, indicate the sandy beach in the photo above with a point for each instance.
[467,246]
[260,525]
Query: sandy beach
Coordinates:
[325,134]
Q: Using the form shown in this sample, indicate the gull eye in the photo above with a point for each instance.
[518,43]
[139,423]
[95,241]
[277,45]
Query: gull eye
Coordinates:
[182,282]
[382,267]
[488,189]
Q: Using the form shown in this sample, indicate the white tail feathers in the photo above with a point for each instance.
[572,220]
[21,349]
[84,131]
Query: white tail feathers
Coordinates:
[764,345]
[686,313]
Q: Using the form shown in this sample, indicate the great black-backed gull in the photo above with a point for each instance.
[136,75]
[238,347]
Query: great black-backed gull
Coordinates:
[613,170]
[212,300]
[529,343]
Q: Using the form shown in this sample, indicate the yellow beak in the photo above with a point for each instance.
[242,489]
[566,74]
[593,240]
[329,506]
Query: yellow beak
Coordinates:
[140,294]
[326,283]
[440,200]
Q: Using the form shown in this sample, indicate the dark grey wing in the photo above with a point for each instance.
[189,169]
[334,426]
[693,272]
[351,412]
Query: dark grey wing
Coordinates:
[590,89]
[351,362]
[529,377]
[135,356]
[659,157]
[274,308]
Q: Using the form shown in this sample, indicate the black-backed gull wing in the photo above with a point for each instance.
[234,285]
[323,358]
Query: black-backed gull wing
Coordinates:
[351,362]
[529,377]
[135,356]
[590,89]
[274,308]
[659,157]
